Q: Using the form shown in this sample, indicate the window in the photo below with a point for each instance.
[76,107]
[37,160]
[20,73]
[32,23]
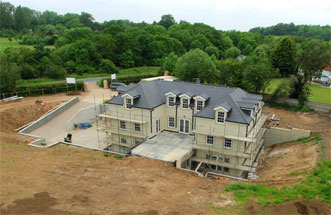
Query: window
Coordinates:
[214,157]
[207,156]
[226,169]
[137,127]
[214,167]
[227,143]
[171,101]
[220,117]
[123,140]
[219,168]
[227,160]
[171,122]
[210,140]
[220,159]
[129,103]
[185,103]
[199,105]
[122,124]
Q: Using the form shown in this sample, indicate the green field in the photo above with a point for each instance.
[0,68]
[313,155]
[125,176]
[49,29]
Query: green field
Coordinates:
[5,43]
[317,92]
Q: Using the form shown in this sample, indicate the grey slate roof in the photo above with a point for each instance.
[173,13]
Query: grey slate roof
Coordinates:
[151,94]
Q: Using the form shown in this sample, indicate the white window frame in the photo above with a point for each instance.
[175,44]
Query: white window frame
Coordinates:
[226,141]
[220,119]
[121,140]
[173,103]
[188,103]
[124,125]
[135,127]
[212,137]
[130,103]
[173,118]
[198,105]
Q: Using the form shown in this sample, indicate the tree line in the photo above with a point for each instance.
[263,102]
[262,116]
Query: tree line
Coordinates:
[281,29]
[241,59]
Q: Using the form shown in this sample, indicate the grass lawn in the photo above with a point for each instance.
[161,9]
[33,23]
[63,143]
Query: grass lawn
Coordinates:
[320,94]
[274,83]
[317,92]
[5,43]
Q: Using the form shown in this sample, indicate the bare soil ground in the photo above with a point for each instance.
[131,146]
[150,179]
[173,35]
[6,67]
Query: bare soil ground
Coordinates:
[68,180]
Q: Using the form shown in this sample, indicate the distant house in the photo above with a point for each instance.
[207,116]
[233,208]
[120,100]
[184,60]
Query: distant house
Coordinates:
[325,77]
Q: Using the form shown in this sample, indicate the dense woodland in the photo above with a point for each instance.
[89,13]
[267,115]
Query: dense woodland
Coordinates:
[80,45]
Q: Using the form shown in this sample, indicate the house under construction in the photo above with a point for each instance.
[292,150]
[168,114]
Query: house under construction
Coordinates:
[212,129]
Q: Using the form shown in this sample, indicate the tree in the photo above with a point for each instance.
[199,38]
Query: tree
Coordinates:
[169,63]
[229,72]
[313,57]
[106,66]
[167,21]
[195,64]
[82,52]
[232,52]
[86,19]
[126,59]
[257,73]
[9,74]
[55,71]
[212,50]
[283,57]
[6,15]
[23,18]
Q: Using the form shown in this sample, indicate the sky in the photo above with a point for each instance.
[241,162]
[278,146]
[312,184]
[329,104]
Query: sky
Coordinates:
[222,14]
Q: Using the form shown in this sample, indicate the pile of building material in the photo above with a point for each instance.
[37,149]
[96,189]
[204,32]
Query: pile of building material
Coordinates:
[12,98]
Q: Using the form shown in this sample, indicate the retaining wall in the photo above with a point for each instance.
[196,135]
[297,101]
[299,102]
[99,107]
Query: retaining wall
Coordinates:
[85,115]
[51,115]
[282,135]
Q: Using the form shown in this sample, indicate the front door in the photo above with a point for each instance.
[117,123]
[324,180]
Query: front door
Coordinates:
[158,126]
[184,126]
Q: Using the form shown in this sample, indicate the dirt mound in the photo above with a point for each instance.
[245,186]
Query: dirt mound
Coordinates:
[252,208]
[300,206]
[41,203]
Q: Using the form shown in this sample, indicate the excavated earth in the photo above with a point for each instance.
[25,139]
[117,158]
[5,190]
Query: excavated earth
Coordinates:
[68,180]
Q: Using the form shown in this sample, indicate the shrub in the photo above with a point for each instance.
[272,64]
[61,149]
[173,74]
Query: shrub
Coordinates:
[106,66]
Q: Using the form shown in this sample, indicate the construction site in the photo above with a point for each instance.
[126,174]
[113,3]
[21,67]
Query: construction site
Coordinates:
[39,165]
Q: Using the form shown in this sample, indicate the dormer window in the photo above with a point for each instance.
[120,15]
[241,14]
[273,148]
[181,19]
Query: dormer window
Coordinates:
[185,103]
[171,101]
[128,104]
[199,105]
[220,117]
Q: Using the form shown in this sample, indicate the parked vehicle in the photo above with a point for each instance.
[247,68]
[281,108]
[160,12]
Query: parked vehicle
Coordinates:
[115,85]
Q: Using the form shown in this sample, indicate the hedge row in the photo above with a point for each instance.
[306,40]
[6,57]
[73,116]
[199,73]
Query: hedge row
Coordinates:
[127,79]
[41,89]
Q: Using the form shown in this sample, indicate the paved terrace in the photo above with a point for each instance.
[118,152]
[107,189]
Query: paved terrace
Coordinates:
[166,146]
